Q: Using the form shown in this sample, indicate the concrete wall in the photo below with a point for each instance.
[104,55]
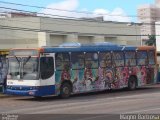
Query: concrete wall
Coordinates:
[18,34]
[93,31]
[32,32]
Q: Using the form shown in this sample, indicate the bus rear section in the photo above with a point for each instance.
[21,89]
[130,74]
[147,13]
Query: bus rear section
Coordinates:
[30,73]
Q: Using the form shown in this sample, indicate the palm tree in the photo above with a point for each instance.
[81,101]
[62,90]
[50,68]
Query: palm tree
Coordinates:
[151,41]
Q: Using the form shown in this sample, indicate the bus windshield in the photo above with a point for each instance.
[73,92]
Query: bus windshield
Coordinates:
[23,68]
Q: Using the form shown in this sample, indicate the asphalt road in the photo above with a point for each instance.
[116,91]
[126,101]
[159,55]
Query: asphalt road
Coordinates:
[101,105]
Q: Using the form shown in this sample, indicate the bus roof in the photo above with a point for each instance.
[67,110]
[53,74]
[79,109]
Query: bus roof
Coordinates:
[93,47]
[88,48]
[146,48]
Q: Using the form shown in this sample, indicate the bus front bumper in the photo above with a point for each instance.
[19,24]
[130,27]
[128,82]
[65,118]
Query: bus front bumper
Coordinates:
[41,91]
[21,92]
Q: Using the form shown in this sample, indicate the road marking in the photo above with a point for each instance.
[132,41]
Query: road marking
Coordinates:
[88,103]
[68,106]
[84,106]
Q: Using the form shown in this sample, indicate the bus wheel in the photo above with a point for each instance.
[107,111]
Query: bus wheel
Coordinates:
[132,83]
[65,90]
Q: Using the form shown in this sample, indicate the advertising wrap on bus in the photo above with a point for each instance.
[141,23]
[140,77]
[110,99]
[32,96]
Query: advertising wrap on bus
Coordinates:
[86,68]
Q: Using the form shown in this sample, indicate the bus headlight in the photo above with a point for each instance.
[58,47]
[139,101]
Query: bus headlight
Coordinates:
[31,93]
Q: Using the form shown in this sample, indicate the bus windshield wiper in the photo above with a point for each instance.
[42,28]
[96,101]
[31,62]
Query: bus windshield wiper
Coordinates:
[19,62]
[27,60]
[17,59]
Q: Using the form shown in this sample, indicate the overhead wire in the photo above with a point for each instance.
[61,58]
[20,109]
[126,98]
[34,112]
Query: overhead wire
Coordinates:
[64,32]
[84,12]
[77,20]
[73,11]
[36,30]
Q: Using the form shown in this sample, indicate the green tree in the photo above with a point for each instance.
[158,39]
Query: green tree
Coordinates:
[151,40]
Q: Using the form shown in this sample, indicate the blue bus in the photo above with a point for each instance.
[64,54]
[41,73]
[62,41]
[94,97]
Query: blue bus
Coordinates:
[72,69]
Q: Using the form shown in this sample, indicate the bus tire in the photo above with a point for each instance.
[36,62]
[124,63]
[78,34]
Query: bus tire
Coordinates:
[132,83]
[65,90]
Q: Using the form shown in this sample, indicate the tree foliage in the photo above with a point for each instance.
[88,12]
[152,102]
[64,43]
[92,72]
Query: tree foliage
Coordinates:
[151,40]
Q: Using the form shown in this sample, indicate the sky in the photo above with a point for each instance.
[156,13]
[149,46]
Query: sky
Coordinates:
[111,10]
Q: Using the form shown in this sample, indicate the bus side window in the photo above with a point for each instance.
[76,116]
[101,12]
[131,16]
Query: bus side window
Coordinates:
[105,59]
[62,61]
[46,67]
[118,59]
[91,60]
[142,58]
[77,60]
[151,57]
[130,58]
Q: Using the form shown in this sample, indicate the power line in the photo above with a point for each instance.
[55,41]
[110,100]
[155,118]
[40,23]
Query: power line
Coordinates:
[72,24]
[35,12]
[84,12]
[66,23]
[61,17]
[72,18]
[79,25]
[43,7]
[73,11]
[63,32]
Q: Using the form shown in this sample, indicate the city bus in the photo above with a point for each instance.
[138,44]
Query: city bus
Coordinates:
[72,69]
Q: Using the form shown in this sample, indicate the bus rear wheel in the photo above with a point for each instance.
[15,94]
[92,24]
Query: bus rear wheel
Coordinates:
[132,83]
[65,90]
